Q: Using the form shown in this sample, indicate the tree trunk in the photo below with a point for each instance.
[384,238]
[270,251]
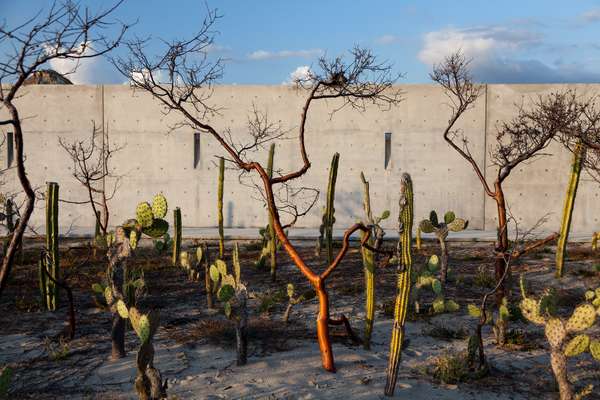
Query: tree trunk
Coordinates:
[323,328]
[501,248]
[559,366]
[444,258]
[17,236]
[241,339]
[118,337]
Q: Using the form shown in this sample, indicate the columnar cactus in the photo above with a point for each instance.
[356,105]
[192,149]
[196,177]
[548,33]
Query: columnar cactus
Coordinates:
[176,236]
[50,262]
[271,227]
[567,338]
[404,259]
[220,207]
[595,238]
[441,229]
[208,284]
[565,226]
[368,258]
[328,219]
[233,294]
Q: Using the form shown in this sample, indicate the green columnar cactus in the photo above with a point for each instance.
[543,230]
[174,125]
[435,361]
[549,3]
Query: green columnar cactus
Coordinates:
[441,229]
[209,287]
[404,259]
[368,258]
[176,235]
[595,238]
[567,338]
[328,220]
[234,296]
[565,226]
[220,207]
[272,243]
[51,263]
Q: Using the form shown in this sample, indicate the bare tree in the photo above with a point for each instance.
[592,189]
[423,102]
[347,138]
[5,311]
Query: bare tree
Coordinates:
[91,167]
[519,140]
[188,76]
[64,31]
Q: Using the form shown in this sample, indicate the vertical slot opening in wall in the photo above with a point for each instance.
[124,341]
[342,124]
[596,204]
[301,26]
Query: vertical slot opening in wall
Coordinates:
[388,149]
[9,149]
[196,149]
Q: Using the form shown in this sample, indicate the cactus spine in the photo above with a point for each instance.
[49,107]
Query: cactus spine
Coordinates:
[403,254]
[326,228]
[51,262]
[220,207]
[565,226]
[176,235]
[272,237]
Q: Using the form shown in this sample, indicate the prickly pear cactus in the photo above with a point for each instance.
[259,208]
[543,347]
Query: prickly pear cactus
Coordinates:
[159,206]
[567,338]
[441,229]
[425,278]
[143,214]
[234,296]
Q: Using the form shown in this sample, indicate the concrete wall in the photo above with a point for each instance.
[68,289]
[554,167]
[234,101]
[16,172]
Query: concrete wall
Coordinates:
[154,158]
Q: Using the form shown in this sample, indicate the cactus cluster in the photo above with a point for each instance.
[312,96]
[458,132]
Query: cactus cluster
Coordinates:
[425,278]
[404,260]
[148,220]
[369,258]
[567,337]
[191,263]
[49,264]
[441,229]
[234,296]
[328,220]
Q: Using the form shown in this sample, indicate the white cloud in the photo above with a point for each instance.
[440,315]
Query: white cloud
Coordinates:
[82,71]
[268,55]
[502,55]
[299,75]
[590,16]
[475,43]
[387,39]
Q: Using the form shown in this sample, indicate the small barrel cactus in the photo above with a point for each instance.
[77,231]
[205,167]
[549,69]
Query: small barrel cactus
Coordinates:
[567,338]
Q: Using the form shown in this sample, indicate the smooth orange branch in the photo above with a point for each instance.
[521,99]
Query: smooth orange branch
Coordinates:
[346,244]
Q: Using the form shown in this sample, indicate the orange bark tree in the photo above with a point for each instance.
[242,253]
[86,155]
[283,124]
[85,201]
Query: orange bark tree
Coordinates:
[518,141]
[182,79]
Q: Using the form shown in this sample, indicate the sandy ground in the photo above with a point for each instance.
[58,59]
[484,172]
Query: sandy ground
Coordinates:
[194,346]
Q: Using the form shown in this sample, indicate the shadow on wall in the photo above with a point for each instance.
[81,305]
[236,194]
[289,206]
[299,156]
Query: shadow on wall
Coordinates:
[229,217]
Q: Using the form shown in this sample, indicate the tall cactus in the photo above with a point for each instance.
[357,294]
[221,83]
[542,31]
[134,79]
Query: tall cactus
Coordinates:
[368,258]
[565,226]
[404,259]
[176,235]
[272,236]
[326,228]
[220,207]
[595,238]
[51,262]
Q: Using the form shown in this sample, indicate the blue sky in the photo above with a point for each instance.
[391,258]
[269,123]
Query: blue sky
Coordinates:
[265,41]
